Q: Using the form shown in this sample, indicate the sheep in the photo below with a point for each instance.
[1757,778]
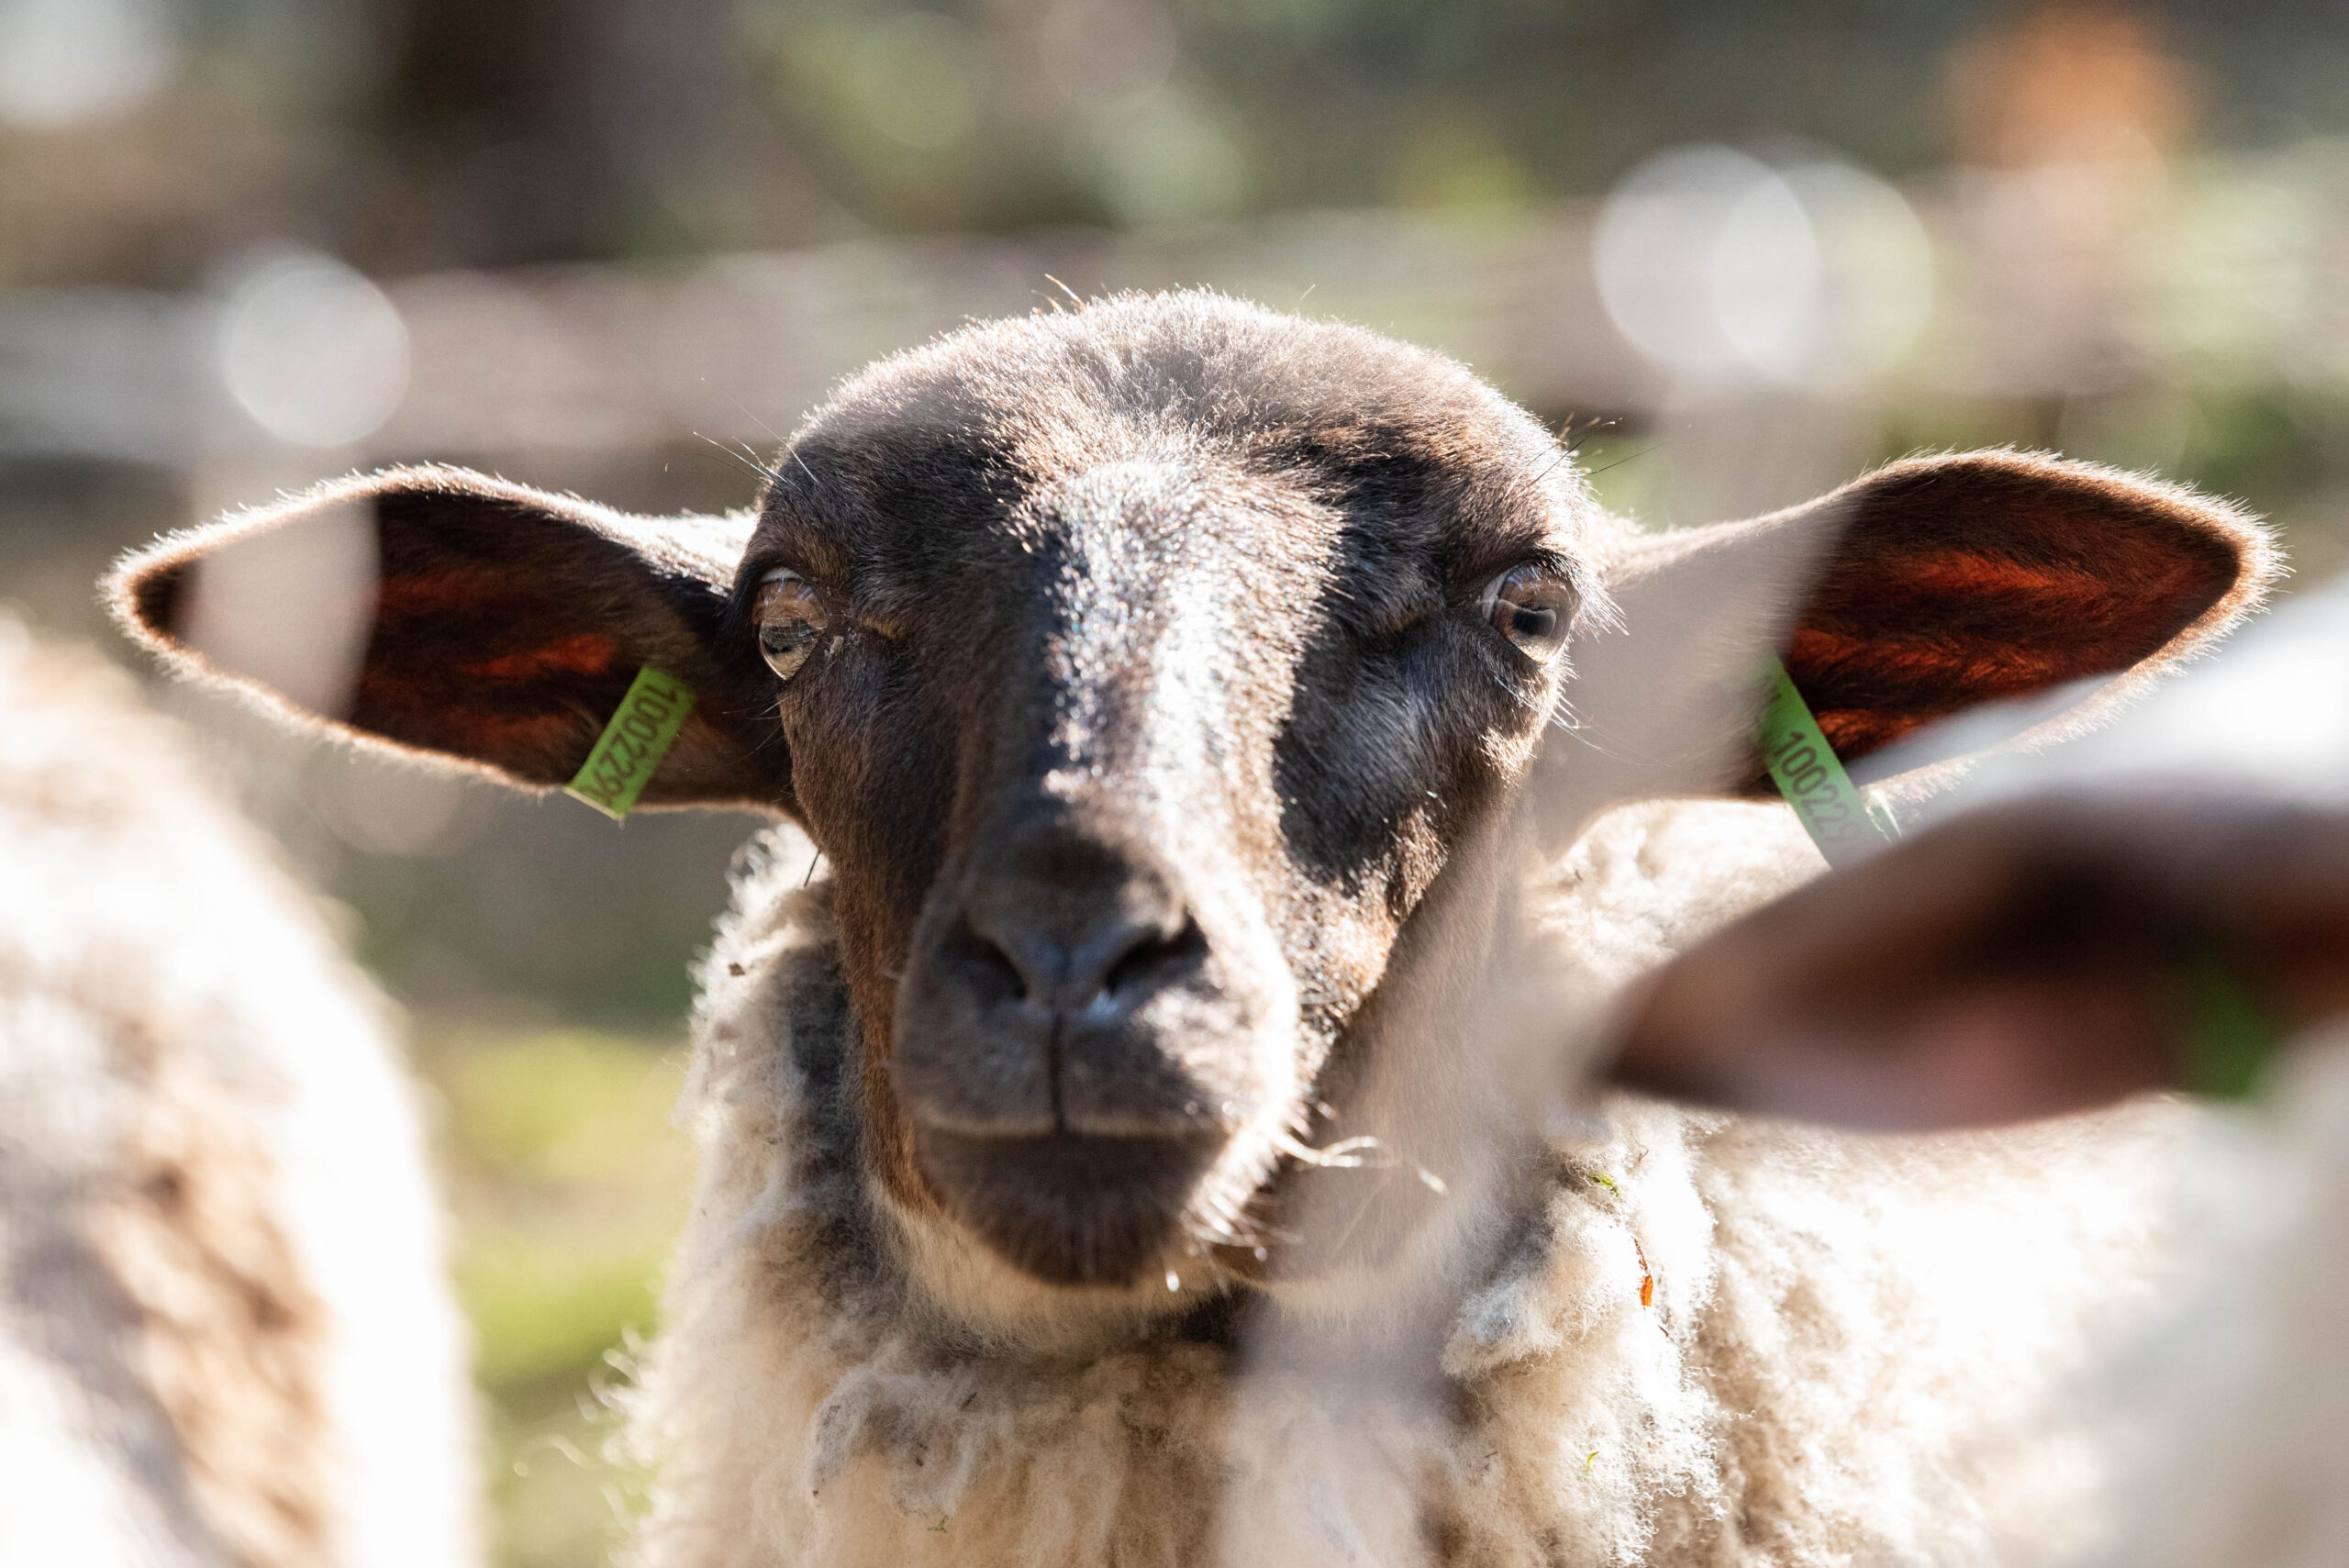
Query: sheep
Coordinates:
[2236,1394]
[225,1334]
[2031,937]
[2234,1399]
[2166,907]
[2027,959]
[1113,1155]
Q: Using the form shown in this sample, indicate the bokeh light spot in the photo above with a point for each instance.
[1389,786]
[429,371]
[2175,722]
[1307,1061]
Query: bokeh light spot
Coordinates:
[313,352]
[1718,267]
[66,62]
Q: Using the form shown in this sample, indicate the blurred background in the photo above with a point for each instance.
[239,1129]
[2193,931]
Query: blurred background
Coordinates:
[1736,251]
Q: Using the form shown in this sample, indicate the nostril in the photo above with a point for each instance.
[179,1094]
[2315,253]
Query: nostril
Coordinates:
[1116,963]
[1154,959]
[988,967]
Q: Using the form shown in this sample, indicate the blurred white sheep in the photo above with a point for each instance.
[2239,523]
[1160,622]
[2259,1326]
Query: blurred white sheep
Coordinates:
[226,1335]
[2208,820]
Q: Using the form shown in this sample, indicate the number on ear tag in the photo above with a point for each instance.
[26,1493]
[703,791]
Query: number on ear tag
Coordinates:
[630,751]
[1844,822]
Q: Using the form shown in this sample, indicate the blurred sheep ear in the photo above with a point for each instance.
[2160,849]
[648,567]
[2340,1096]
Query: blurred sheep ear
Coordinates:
[435,610]
[1928,586]
[2044,955]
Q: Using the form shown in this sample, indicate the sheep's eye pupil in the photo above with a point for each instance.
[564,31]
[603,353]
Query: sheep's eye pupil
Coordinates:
[1527,605]
[789,618]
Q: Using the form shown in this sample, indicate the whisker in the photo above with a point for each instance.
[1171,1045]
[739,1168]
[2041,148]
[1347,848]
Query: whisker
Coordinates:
[1346,1154]
[1621,461]
[752,453]
[746,413]
[756,467]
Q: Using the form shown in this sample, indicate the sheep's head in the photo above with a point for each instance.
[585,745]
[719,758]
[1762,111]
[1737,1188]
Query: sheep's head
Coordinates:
[1140,671]
[1153,678]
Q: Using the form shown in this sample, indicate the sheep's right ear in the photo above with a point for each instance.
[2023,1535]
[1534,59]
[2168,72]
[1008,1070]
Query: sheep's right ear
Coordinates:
[437,611]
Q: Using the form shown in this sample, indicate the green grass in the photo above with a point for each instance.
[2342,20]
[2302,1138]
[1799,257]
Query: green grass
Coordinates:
[568,1185]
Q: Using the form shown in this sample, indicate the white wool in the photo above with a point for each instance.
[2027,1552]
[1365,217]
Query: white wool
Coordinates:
[2237,1403]
[2233,1406]
[1641,884]
[225,1335]
[1844,1355]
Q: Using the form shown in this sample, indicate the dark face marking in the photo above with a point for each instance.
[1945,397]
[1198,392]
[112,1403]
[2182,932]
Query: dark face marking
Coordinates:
[1159,686]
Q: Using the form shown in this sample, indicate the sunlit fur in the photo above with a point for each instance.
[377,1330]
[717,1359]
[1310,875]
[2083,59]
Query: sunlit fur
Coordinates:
[1843,1356]
[225,1332]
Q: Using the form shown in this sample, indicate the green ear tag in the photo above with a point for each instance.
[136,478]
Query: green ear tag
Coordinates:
[630,751]
[2229,1036]
[1839,819]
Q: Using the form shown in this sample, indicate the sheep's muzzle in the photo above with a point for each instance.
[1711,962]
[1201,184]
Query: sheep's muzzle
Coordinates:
[1080,1035]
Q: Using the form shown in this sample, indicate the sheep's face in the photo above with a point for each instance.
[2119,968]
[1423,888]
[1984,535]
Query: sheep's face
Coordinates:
[1152,678]
[1140,675]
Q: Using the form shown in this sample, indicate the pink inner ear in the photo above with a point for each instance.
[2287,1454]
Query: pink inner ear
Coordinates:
[587,653]
[1868,692]
[1910,624]
[1952,574]
[508,737]
[447,588]
[530,706]
[436,715]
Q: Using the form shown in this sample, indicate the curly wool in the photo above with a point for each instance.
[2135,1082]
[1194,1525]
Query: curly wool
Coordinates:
[1710,1342]
[225,1332]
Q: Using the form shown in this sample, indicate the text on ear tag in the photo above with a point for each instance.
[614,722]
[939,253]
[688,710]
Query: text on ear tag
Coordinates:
[630,751]
[1840,820]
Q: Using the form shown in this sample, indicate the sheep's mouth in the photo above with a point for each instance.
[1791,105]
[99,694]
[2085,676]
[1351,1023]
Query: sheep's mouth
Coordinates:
[1071,1209]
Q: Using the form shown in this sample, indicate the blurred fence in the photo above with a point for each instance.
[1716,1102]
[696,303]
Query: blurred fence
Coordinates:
[2037,285]
[1725,333]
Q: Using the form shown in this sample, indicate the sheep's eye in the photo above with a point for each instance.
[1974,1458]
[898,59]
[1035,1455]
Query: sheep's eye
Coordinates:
[789,618]
[1528,605]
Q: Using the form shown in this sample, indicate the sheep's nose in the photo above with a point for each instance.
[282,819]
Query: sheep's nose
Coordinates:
[1063,985]
[1076,1040]
[1080,929]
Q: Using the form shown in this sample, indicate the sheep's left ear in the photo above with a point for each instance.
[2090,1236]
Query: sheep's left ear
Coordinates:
[1922,589]
[476,622]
